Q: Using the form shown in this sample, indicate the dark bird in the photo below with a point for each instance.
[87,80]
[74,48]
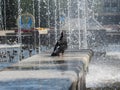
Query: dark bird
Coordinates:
[60,46]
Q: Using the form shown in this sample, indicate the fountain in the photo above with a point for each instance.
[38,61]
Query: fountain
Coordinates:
[31,52]
[66,67]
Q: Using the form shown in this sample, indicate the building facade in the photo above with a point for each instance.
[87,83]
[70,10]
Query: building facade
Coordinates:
[108,12]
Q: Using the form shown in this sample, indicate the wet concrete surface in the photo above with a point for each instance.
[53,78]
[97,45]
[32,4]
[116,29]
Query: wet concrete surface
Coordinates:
[42,62]
[37,80]
[104,73]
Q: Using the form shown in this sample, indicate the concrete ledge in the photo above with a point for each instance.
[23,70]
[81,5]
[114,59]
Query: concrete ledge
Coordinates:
[68,57]
[39,80]
[3,46]
[70,69]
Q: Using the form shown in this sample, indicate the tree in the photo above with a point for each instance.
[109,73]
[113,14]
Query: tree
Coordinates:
[47,11]
[27,6]
[10,14]
[1,15]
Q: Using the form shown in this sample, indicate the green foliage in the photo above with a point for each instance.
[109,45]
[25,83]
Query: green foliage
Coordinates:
[27,6]
[10,13]
[46,14]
